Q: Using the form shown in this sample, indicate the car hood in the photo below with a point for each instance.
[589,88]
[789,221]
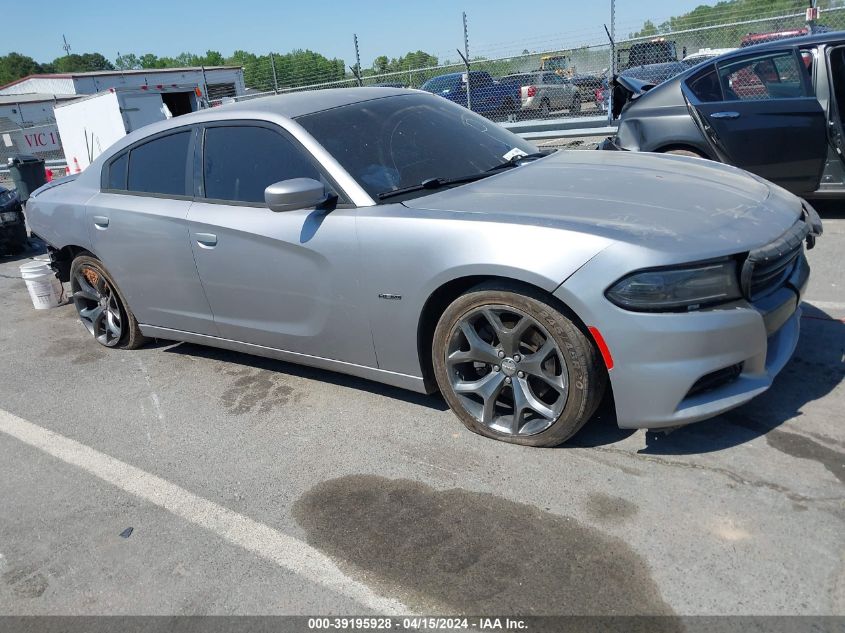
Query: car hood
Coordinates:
[669,203]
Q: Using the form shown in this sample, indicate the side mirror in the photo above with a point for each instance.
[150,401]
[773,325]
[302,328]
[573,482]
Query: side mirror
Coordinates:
[296,193]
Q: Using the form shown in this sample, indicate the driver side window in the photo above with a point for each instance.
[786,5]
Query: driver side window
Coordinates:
[241,161]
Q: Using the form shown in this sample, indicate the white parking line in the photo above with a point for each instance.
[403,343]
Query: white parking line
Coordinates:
[258,538]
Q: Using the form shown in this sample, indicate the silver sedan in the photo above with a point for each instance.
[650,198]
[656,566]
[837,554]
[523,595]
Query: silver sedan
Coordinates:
[394,235]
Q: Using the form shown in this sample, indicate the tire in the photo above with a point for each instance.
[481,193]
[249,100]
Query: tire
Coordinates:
[545,108]
[567,381]
[101,306]
[576,103]
[684,152]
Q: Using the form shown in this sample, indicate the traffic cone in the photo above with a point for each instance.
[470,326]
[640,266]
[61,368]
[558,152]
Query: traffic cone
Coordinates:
[76,168]
[49,174]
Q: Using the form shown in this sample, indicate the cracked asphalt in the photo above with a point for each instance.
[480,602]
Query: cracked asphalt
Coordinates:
[258,487]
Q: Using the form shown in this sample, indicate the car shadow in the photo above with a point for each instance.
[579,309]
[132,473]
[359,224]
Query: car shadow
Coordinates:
[434,401]
[815,370]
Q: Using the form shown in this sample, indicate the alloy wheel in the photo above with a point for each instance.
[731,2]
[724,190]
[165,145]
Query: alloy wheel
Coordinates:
[507,370]
[98,305]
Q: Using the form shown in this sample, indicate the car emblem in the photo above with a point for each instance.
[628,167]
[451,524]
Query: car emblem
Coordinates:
[508,366]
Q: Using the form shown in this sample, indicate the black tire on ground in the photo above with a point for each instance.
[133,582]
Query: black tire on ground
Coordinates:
[586,375]
[131,337]
[576,103]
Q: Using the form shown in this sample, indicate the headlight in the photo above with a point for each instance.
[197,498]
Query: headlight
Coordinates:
[677,288]
[6,197]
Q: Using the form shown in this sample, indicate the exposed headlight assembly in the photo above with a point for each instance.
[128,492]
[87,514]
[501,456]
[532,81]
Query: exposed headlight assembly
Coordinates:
[6,197]
[678,288]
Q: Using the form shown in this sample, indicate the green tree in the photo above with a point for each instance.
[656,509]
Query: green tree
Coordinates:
[127,62]
[14,66]
[87,62]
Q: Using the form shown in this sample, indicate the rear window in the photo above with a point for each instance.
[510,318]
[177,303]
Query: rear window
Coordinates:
[117,173]
[159,166]
[439,84]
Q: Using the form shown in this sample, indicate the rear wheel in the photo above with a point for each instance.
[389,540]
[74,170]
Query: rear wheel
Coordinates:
[684,152]
[513,367]
[576,103]
[101,306]
[545,108]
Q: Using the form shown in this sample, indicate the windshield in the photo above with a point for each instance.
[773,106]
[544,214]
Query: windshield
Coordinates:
[396,142]
[439,84]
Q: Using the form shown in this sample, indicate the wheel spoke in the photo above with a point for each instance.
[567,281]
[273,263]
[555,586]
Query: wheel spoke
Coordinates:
[509,338]
[86,291]
[92,314]
[533,363]
[524,400]
[113,323]
[479,350]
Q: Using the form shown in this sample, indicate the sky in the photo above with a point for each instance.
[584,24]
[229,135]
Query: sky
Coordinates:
[169,27]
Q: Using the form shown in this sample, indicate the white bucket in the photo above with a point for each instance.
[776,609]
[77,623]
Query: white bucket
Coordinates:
[44,287]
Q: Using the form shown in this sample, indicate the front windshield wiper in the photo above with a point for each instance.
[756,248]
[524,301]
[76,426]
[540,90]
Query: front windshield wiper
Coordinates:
[432,183]
[437,183]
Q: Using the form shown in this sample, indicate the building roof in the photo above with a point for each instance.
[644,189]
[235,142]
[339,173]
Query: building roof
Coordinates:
[34,97]
[117,73]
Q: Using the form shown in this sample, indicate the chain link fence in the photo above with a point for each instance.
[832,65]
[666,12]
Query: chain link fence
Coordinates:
[555,77]
[557,81]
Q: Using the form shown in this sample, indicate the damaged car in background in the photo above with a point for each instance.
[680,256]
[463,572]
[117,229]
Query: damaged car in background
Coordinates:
[774,109]
[394,235]
[13,237]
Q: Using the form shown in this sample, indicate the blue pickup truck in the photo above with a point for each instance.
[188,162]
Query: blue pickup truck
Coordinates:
[488,97]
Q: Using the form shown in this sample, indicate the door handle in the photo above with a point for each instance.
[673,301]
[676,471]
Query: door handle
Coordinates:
[206,240]
[101,221]
[725,115]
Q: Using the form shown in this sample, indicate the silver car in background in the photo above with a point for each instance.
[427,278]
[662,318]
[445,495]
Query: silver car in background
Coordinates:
[544,92]
[394,235]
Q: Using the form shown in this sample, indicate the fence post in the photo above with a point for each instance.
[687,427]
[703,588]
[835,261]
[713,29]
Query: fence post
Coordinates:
[357,72]
[273,68]
[612,61]
[466,62]
[205,87]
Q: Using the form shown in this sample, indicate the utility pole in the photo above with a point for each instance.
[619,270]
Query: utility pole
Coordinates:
[612,61]
[466,62]
[273,68]
[357,61]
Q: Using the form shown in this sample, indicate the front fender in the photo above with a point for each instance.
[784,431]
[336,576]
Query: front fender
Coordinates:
[407,255]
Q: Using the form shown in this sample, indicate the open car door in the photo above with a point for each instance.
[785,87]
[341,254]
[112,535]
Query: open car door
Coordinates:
[759,113]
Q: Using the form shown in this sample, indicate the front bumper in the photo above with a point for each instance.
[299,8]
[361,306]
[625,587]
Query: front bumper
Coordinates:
[662,359]
[12,232]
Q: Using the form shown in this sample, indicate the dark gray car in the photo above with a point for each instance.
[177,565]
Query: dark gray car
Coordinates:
[773,109]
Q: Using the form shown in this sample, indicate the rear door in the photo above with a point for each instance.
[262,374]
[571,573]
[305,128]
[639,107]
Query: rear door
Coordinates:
[138,227]
[759,112]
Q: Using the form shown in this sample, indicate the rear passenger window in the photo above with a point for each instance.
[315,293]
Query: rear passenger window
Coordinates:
[764,77]
[706,87]
[117,173]
[159,165]
[240,162]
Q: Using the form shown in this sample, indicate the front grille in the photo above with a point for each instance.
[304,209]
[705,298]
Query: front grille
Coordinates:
[768,267]
[715,379]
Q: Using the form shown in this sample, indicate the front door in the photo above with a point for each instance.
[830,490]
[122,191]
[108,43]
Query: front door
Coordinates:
[760,113]
[284,280]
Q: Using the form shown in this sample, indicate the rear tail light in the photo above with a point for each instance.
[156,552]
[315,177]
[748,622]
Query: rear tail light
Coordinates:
[532,91]
[599,95]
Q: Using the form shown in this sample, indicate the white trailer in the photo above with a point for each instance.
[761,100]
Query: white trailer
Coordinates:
[88,126]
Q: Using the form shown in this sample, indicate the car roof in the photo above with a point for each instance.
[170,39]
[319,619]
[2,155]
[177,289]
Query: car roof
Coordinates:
[815,38]
[297,104]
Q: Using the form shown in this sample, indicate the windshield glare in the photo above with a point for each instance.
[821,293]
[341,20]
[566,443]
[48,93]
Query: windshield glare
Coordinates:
[396,142]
